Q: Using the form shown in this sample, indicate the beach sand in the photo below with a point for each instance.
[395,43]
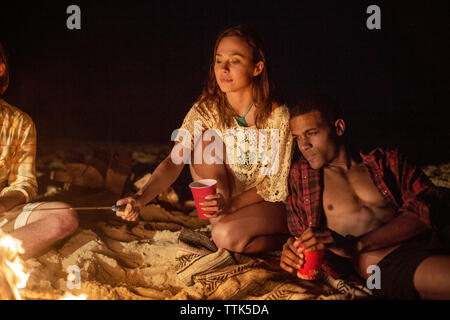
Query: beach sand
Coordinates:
[115,261]
[122,260]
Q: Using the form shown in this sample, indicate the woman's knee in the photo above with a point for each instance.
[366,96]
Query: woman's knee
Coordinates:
[227,237]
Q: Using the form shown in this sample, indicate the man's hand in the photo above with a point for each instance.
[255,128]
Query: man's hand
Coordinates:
[10,200]
[218,203]
[132,208]
[292,257]
[317,239]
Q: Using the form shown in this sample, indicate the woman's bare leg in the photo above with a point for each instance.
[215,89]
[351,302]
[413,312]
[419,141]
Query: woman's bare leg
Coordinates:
[256,228]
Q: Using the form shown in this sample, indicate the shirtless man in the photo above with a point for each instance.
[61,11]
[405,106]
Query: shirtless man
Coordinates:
[368,209]
[38,225]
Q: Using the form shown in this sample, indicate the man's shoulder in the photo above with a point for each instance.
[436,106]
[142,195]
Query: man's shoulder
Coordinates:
[383,154]
[12,118]
[298,166]
[9,111]
[390,160]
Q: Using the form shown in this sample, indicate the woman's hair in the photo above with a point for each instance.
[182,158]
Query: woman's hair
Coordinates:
[4,80]
[263,86]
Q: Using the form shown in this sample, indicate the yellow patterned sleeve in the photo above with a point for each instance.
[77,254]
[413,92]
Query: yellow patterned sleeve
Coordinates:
[274,186]
[22,176]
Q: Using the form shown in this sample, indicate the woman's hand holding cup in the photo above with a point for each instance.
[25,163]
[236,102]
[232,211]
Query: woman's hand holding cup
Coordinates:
[216,202]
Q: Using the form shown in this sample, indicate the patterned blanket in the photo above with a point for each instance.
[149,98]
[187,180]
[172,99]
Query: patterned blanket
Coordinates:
[211,273]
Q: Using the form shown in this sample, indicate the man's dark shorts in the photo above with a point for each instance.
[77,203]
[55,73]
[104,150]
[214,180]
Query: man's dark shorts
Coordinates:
[398,267]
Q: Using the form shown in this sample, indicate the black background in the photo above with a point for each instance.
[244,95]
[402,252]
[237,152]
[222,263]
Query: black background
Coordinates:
[134,69]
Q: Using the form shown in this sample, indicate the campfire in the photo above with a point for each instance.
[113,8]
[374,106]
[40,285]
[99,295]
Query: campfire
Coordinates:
[13,274]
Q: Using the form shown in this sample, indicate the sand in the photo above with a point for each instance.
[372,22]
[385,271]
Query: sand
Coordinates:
[115,262]
[119,260]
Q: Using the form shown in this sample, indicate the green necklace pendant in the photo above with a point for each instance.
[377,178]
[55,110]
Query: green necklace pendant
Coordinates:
[241,120]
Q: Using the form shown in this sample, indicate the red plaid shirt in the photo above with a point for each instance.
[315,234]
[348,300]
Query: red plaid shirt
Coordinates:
[402,184]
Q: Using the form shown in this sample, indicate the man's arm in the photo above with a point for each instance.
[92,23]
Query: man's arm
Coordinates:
[414,215]
[403,227]
[22,183]
[399,229]
[11,199]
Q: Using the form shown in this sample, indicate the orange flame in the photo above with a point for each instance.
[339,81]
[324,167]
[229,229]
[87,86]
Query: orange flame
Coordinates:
[12,274]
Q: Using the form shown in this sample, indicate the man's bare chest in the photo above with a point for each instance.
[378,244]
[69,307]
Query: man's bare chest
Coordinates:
[354,187]
[351,200]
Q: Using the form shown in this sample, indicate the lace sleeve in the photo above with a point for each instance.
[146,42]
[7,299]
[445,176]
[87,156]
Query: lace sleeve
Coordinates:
[274,187]
[194,124]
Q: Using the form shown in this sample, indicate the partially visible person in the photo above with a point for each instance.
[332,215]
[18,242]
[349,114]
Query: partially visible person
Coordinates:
[38,225]
[363,209]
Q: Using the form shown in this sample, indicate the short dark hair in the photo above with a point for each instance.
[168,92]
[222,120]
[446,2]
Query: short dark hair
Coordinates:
[327,106]
[4,80]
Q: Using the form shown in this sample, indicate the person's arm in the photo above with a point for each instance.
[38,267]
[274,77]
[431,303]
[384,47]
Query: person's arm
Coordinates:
[161,179]
[167,171]
[22,183]
[399,229]
[11,199]
[417,192]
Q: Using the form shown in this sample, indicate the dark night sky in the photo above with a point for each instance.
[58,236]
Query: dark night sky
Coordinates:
[135,67]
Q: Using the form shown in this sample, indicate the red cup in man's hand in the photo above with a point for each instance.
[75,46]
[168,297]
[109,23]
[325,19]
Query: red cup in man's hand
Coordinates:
[311,266]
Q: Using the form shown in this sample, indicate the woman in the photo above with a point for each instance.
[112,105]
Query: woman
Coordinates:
[238,99]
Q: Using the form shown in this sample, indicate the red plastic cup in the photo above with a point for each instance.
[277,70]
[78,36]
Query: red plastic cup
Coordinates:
[200,189]
[311,266]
